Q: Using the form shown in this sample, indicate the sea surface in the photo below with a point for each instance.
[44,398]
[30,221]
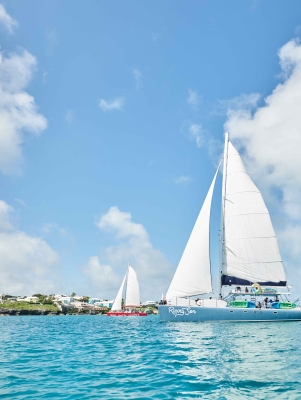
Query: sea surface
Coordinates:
[98,357]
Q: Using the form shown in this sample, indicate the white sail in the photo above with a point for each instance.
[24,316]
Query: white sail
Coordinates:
[132,296]
[117,305]
[193,275]
[250,245]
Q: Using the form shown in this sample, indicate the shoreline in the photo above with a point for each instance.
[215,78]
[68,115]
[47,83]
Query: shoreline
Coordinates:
[13,312]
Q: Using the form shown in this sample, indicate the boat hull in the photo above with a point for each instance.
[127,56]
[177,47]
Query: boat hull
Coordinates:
[231,314]
[126,314]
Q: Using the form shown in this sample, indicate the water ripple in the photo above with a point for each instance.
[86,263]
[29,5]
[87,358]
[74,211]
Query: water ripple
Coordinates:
[96,357]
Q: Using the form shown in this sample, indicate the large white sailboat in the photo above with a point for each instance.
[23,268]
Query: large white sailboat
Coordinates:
[251,267]
[132,297]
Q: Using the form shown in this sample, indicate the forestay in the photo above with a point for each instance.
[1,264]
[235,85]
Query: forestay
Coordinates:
[132,297]
[250,244]
[193,275]
[117,305]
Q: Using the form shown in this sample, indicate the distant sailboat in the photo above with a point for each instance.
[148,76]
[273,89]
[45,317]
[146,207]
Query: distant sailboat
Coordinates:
[132,297]
[249,257]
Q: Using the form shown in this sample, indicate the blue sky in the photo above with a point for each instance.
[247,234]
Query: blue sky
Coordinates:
[130,105]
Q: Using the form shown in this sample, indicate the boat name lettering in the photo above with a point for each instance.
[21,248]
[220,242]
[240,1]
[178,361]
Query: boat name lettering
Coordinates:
[181,311]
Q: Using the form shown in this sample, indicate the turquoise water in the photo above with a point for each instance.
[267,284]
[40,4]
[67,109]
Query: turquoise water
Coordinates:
[97,357]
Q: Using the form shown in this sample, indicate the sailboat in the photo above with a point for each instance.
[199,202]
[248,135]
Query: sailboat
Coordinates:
[250,264]
[132,297]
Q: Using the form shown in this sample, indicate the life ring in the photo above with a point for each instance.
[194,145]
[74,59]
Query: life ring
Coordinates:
[256,288]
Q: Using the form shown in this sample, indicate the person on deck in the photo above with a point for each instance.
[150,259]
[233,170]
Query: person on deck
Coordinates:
[246,290]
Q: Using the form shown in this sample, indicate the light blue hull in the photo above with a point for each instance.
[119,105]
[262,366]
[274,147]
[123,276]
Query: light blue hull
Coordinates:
[201,314]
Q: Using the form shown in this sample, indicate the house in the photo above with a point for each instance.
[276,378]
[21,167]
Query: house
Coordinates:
[29,299]
[63,300]
[149,303]
[105,303]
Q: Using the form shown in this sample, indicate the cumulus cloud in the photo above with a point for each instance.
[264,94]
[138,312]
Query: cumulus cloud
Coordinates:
[109,105]
[18,111]
[182,179]
[137,75]
[193,97]
[27,263]
[5,215]
[132,245]
[102,276]
[6,20]
[271,137]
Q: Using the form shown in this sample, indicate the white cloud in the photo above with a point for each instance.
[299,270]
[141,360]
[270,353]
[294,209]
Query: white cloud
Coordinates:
[137,75]
[271,136]
[242,102]
[21,202]
[27,264]
[204,139]
[49,227]
[108,105]
[134,246]
[18,111]
[6,20]
[52,40]
[193,97]
[5,215]
[69,116]
[182,179]
[102,276]
[198,134]
[45,74]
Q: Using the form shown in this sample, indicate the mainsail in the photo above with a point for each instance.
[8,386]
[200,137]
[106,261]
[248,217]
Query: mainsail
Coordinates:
[193,275]
[117,305]
[250,248]
[132,297]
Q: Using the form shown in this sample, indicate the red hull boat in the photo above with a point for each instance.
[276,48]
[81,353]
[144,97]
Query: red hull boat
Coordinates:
[131,305]
[126,314]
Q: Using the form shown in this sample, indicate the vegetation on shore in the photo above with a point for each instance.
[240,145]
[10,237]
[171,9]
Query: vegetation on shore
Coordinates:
[24,305]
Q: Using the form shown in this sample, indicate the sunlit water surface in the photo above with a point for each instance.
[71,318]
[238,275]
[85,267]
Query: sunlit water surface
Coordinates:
[98,357]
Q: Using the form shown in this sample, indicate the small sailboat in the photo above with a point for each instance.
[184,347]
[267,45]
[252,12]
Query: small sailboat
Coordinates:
[132,297]
[249,259]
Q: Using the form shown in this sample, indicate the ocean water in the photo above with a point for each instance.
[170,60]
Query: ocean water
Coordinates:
[98,357]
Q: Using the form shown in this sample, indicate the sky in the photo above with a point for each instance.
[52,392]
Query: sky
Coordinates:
[112,118]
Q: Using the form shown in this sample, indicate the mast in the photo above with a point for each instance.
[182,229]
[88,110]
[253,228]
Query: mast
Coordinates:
[222,225]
